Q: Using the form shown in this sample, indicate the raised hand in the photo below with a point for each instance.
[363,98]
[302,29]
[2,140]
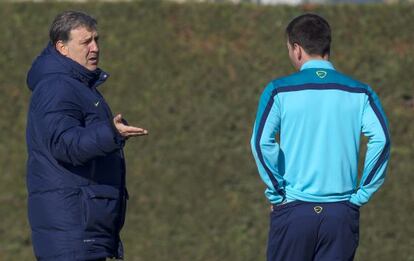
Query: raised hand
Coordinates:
[127,131]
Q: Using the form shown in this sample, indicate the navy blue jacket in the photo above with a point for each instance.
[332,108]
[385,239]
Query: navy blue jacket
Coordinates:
[75,169]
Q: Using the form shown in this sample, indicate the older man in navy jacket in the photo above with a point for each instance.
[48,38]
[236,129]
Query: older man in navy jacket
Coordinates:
[76,169]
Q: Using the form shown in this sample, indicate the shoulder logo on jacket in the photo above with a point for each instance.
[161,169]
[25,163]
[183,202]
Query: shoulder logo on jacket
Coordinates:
[321,74]
[96,103]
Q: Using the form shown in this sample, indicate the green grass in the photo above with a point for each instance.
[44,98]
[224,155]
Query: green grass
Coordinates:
[192,74]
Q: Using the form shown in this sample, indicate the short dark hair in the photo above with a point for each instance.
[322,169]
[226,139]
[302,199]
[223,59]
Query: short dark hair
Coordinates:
[312,32]
[67,21]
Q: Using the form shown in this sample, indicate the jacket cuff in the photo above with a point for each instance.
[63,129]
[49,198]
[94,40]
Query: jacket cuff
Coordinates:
[118,138]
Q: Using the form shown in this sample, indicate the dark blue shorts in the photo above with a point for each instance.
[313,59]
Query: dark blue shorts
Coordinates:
[305,231]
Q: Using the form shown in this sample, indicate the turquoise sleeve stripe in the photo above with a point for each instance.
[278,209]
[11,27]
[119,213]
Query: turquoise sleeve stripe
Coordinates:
[264,146]
[386,148]
[375,127]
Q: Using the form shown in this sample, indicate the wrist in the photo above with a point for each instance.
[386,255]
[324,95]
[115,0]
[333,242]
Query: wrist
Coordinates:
[119,139]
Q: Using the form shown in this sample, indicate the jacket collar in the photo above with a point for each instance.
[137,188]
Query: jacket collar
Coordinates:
[317,64]
[77,71]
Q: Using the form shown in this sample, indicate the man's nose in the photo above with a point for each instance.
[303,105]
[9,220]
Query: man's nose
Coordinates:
[94,46]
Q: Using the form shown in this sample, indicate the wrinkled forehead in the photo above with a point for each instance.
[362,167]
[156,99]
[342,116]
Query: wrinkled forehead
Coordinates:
[83,33]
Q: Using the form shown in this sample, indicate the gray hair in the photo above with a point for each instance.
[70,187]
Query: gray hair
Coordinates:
[67,21]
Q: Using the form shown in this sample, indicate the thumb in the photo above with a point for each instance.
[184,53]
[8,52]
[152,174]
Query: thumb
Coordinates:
[118,118]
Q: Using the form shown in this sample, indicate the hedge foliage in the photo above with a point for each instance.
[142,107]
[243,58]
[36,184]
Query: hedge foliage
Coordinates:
[192,74]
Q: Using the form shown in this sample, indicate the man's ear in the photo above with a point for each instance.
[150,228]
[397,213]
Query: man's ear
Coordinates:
[62,48]
[298,51]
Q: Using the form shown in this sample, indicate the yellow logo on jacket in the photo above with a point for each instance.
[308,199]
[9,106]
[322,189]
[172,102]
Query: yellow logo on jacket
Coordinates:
[321,74]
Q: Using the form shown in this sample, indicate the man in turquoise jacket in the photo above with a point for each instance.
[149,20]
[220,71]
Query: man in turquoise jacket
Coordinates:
[312,175]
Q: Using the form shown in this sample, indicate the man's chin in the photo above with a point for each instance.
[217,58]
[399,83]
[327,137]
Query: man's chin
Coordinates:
[92,67]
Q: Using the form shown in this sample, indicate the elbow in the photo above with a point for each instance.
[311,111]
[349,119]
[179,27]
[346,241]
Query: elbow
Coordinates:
[382,140]
[257,144]
[67,158]
[387,146]
[253,144]
[66,154]
[386,142]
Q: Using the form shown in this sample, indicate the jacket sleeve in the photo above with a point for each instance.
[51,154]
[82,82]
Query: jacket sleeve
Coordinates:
[264,147]
[375,127]
[60,118]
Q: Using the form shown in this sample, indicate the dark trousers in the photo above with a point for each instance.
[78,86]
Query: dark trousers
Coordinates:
[304,231]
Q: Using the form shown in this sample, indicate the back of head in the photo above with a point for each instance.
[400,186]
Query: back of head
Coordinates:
[67,21]
[312,32]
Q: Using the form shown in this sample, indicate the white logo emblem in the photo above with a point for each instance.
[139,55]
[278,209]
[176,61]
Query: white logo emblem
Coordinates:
[96,103]
[318,209]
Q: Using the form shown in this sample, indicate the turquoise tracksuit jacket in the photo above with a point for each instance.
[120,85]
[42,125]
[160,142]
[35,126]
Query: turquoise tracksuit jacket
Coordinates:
[320,114]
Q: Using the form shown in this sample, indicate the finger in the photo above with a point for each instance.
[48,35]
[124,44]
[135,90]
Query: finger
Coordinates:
[130,135]
[126,128]
[136,133]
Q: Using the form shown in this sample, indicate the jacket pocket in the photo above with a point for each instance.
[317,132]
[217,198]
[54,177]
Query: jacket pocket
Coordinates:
[101,207]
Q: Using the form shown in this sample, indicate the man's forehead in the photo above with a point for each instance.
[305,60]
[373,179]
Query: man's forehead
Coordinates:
[82,32]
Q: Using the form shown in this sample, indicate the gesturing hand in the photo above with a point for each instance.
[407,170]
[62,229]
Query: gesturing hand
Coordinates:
[125,130]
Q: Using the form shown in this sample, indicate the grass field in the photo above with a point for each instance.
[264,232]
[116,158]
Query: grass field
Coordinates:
[192,74]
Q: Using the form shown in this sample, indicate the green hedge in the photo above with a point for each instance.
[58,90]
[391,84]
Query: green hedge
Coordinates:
[192,74]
